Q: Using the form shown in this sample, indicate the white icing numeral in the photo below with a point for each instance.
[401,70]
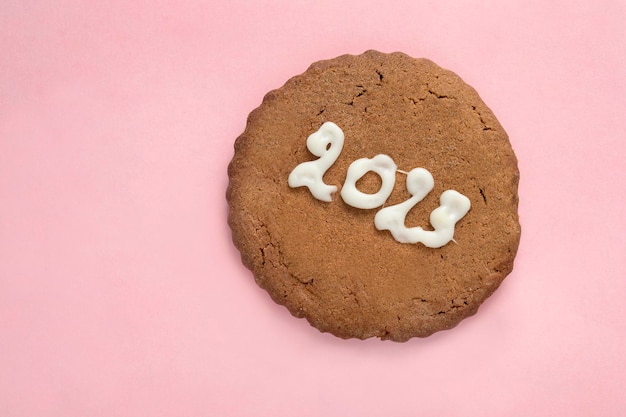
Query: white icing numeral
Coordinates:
[452,207]
[326,144]
[419,182]
[384,166]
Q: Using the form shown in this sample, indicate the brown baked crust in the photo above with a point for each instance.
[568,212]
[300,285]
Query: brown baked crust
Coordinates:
[326,261]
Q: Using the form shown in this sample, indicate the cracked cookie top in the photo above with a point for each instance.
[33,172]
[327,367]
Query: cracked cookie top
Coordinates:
[327,261]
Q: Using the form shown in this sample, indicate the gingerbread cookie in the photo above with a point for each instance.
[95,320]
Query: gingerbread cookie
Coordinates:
[375,196]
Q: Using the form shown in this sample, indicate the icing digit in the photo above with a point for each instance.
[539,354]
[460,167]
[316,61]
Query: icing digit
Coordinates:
[384,166]
[326,144]
[419,182]
[453,206]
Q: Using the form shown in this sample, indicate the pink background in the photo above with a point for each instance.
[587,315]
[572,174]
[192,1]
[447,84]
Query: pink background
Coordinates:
[122,295]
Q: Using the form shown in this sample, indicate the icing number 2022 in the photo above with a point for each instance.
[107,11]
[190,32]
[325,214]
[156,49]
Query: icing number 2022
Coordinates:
[327,144]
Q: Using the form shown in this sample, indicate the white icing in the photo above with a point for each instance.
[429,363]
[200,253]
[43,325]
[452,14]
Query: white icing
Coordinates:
[453,206]
[326,144]
[419,182]
[384,166]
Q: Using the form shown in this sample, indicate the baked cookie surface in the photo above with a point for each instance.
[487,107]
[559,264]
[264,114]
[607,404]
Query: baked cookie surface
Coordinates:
[327,261]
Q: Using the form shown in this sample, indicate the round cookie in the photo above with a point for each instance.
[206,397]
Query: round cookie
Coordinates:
[327,261]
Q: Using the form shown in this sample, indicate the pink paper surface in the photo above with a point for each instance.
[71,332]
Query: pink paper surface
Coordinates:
[121,293]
